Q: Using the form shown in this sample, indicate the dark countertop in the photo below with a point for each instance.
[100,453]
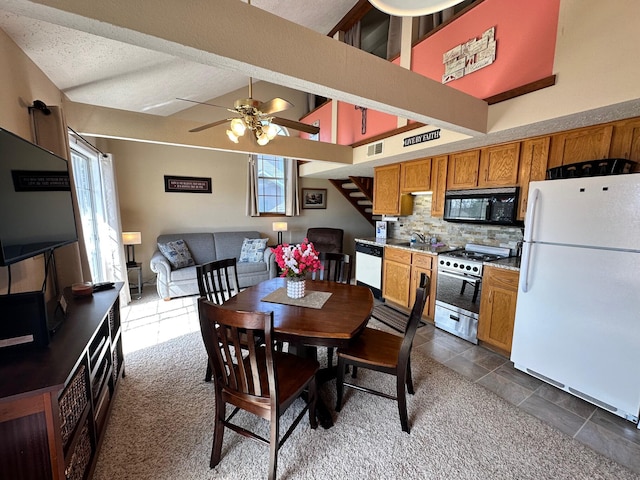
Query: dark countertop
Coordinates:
[403,244]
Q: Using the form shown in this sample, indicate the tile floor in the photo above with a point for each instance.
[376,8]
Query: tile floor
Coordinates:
[149,321]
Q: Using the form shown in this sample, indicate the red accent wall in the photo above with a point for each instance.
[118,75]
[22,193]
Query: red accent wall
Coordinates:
[323,114]
[350,123]
[526,41]
[525,33]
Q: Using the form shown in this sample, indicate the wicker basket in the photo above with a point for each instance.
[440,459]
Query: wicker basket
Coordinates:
[81,456]
[73,401]
[112,322]
[116,365]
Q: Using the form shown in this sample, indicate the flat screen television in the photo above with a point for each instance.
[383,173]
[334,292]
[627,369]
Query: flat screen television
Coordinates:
[36,210]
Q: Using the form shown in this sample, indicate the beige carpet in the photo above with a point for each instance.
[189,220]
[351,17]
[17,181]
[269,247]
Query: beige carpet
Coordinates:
[161,428]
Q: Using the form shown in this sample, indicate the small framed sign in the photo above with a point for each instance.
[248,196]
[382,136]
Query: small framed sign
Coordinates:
[314,198]
[173,183]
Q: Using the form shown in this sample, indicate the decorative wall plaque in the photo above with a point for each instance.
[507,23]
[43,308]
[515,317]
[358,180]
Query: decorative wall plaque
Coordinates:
[468,57]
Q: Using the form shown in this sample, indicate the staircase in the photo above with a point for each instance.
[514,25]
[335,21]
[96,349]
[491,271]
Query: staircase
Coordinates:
[359,192]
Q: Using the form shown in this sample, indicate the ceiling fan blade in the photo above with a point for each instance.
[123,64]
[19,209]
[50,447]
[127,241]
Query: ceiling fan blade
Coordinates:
[302,127]
[274,105]
[208,125]
[203,103]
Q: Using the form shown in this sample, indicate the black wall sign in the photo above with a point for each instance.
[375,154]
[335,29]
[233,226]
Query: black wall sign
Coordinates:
[423,137]
[174,183]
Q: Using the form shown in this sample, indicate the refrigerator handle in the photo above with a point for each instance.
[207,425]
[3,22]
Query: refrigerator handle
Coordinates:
[531,213]
[528,234]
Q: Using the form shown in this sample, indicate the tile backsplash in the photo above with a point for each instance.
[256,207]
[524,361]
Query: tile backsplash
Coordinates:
[452,234]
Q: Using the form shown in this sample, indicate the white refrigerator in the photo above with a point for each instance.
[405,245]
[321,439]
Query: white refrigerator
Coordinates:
[578,310]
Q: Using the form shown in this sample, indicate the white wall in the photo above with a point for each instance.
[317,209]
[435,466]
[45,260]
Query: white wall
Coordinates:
[22,83]
[146,207]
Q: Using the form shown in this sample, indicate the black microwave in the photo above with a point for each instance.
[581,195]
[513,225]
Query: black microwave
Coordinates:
[495,206]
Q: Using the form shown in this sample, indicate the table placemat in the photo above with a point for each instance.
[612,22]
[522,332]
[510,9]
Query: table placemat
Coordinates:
[310,300]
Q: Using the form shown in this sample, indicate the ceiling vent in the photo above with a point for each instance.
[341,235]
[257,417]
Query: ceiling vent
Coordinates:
[374,149]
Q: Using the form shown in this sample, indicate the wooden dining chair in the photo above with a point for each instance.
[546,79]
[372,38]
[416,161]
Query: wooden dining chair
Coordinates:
[265,382]
[217,282]
[385,352]
[336,267]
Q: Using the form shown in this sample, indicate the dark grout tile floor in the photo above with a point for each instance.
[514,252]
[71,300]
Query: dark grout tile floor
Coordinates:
[604,432]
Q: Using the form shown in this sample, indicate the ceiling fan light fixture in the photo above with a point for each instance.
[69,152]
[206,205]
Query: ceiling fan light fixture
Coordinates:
[272,131]
[238,127]
[262,138]
[412,8]
[232,136]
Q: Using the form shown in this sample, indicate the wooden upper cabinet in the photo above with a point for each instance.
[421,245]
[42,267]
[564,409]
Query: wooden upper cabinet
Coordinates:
[415,176]
[387,199]
[625,142]
[580,145]
[463,170]
[499,165]
[534,155]
[438,184]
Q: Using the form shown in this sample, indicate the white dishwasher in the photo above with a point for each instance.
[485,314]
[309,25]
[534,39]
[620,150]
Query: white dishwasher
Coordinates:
[369,267]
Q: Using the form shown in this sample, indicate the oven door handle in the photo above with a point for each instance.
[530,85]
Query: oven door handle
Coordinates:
[471,280]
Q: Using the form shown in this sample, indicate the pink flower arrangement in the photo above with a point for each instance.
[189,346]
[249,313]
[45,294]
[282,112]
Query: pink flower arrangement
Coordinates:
[296,260]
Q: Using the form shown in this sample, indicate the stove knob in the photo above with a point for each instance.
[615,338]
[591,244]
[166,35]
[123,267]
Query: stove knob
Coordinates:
[448,263]
[475,269]
[469,267]
[455,265]
[441,262]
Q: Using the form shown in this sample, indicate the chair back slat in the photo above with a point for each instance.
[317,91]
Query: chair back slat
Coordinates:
[336,267]
[422,293]
[218,280]
[242,365]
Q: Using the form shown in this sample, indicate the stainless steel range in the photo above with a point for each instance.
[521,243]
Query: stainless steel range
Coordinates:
[459,286]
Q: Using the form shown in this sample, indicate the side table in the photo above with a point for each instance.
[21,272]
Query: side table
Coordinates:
[137,267]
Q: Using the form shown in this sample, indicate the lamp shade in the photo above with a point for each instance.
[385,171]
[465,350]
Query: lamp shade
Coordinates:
[131,238]
[279,226]
[412,8]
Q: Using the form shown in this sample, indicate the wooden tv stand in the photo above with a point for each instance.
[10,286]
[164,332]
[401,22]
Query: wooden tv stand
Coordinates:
[55,401]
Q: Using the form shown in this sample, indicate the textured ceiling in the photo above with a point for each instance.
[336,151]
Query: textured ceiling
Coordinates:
[99,71]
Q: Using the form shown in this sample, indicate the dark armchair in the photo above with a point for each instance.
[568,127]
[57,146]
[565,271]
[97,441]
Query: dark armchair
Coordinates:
[325,239]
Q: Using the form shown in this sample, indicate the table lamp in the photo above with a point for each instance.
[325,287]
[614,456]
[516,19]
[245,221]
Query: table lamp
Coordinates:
[130,239]
[279,227]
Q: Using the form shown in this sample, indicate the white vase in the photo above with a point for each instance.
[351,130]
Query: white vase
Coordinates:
[295,287]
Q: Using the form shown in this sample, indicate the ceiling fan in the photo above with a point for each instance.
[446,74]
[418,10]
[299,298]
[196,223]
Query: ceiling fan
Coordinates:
[257,117]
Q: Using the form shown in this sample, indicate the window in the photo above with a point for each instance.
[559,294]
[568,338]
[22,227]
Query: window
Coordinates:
[88,183]
[271,184]
[271,175]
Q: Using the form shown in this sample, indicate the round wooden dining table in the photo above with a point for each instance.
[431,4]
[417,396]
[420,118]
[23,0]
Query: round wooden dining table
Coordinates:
[342,317]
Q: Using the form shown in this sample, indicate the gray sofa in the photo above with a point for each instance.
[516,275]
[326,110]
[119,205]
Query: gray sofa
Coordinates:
[206,247]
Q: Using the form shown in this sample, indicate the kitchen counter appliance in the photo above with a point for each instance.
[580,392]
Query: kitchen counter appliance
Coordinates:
[577,315]
[459,286]
[369,267]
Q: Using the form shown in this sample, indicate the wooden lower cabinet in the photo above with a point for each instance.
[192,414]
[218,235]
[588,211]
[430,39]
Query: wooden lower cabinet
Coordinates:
[396,276]
[401,277]
[498,307]
[55,401]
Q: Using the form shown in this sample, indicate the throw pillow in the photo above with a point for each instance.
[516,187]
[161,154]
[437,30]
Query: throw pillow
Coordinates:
[177,253]
[253,250]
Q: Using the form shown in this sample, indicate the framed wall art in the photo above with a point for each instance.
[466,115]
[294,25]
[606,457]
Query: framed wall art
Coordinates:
[314,198]
[174,183]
